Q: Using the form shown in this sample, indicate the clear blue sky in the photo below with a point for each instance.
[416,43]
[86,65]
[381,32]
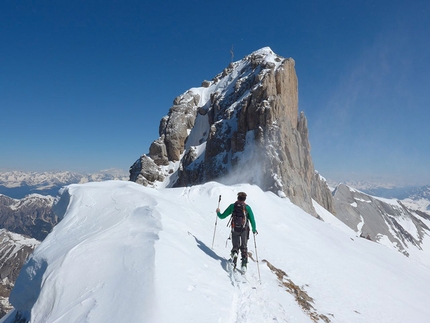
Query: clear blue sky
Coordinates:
[84,84]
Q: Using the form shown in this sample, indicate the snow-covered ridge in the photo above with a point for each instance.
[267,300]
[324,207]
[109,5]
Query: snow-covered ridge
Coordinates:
[123,251]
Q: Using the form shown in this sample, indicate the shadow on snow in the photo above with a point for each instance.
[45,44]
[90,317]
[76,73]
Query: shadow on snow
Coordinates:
[202,246]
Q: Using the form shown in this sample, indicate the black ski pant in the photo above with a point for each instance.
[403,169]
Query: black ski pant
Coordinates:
[240,242]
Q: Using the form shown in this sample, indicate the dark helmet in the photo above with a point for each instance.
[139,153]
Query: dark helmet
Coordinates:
[241,196]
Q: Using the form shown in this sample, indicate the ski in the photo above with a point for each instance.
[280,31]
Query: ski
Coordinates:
[232,264]
[236,275]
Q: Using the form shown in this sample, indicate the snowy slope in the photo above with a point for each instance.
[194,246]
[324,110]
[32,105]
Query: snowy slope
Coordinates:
[127,253]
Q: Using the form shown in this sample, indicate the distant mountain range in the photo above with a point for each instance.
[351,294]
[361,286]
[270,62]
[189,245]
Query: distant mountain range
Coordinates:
[18,184]
[389,222]
[414,197]
[413,192]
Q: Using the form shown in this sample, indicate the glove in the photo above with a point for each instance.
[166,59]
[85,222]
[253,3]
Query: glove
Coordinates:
[218,210]
[255,232]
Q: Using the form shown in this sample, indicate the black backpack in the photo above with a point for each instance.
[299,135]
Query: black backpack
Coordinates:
[238,217]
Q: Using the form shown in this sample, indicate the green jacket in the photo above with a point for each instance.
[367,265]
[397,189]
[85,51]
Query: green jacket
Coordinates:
[249,213]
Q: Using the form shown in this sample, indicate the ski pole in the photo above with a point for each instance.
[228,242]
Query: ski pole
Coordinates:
[216,222]
[256,256]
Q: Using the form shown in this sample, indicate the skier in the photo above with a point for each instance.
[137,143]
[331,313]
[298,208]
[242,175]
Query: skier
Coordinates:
[241,216]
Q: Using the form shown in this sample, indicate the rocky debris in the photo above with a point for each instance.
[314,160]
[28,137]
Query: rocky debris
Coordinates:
[241,127]
[301,296]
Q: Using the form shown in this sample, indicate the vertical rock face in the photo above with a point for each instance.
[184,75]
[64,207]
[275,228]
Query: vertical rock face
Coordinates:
[243,126]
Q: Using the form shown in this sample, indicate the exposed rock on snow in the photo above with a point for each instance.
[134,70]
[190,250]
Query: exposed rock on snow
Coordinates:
[241,127]
[301,296]
[14,251]
[31,216]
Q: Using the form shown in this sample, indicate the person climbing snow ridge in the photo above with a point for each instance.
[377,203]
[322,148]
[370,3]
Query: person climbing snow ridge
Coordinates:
[241,216]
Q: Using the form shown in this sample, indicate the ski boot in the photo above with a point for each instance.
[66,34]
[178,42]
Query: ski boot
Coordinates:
[243,265]
[234,258]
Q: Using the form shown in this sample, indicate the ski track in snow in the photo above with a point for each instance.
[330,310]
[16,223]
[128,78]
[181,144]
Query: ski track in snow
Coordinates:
[250,301]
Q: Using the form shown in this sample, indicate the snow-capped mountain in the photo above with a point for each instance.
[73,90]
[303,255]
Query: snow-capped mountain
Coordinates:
[419,204]
[17,184]
[243,126]
[386,221]
[31,216]
[364,185]
[14,251]
[414,197]
[35,179]
[128,253]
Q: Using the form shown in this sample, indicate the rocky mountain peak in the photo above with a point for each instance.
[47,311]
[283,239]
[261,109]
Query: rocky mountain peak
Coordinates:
[242,126]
